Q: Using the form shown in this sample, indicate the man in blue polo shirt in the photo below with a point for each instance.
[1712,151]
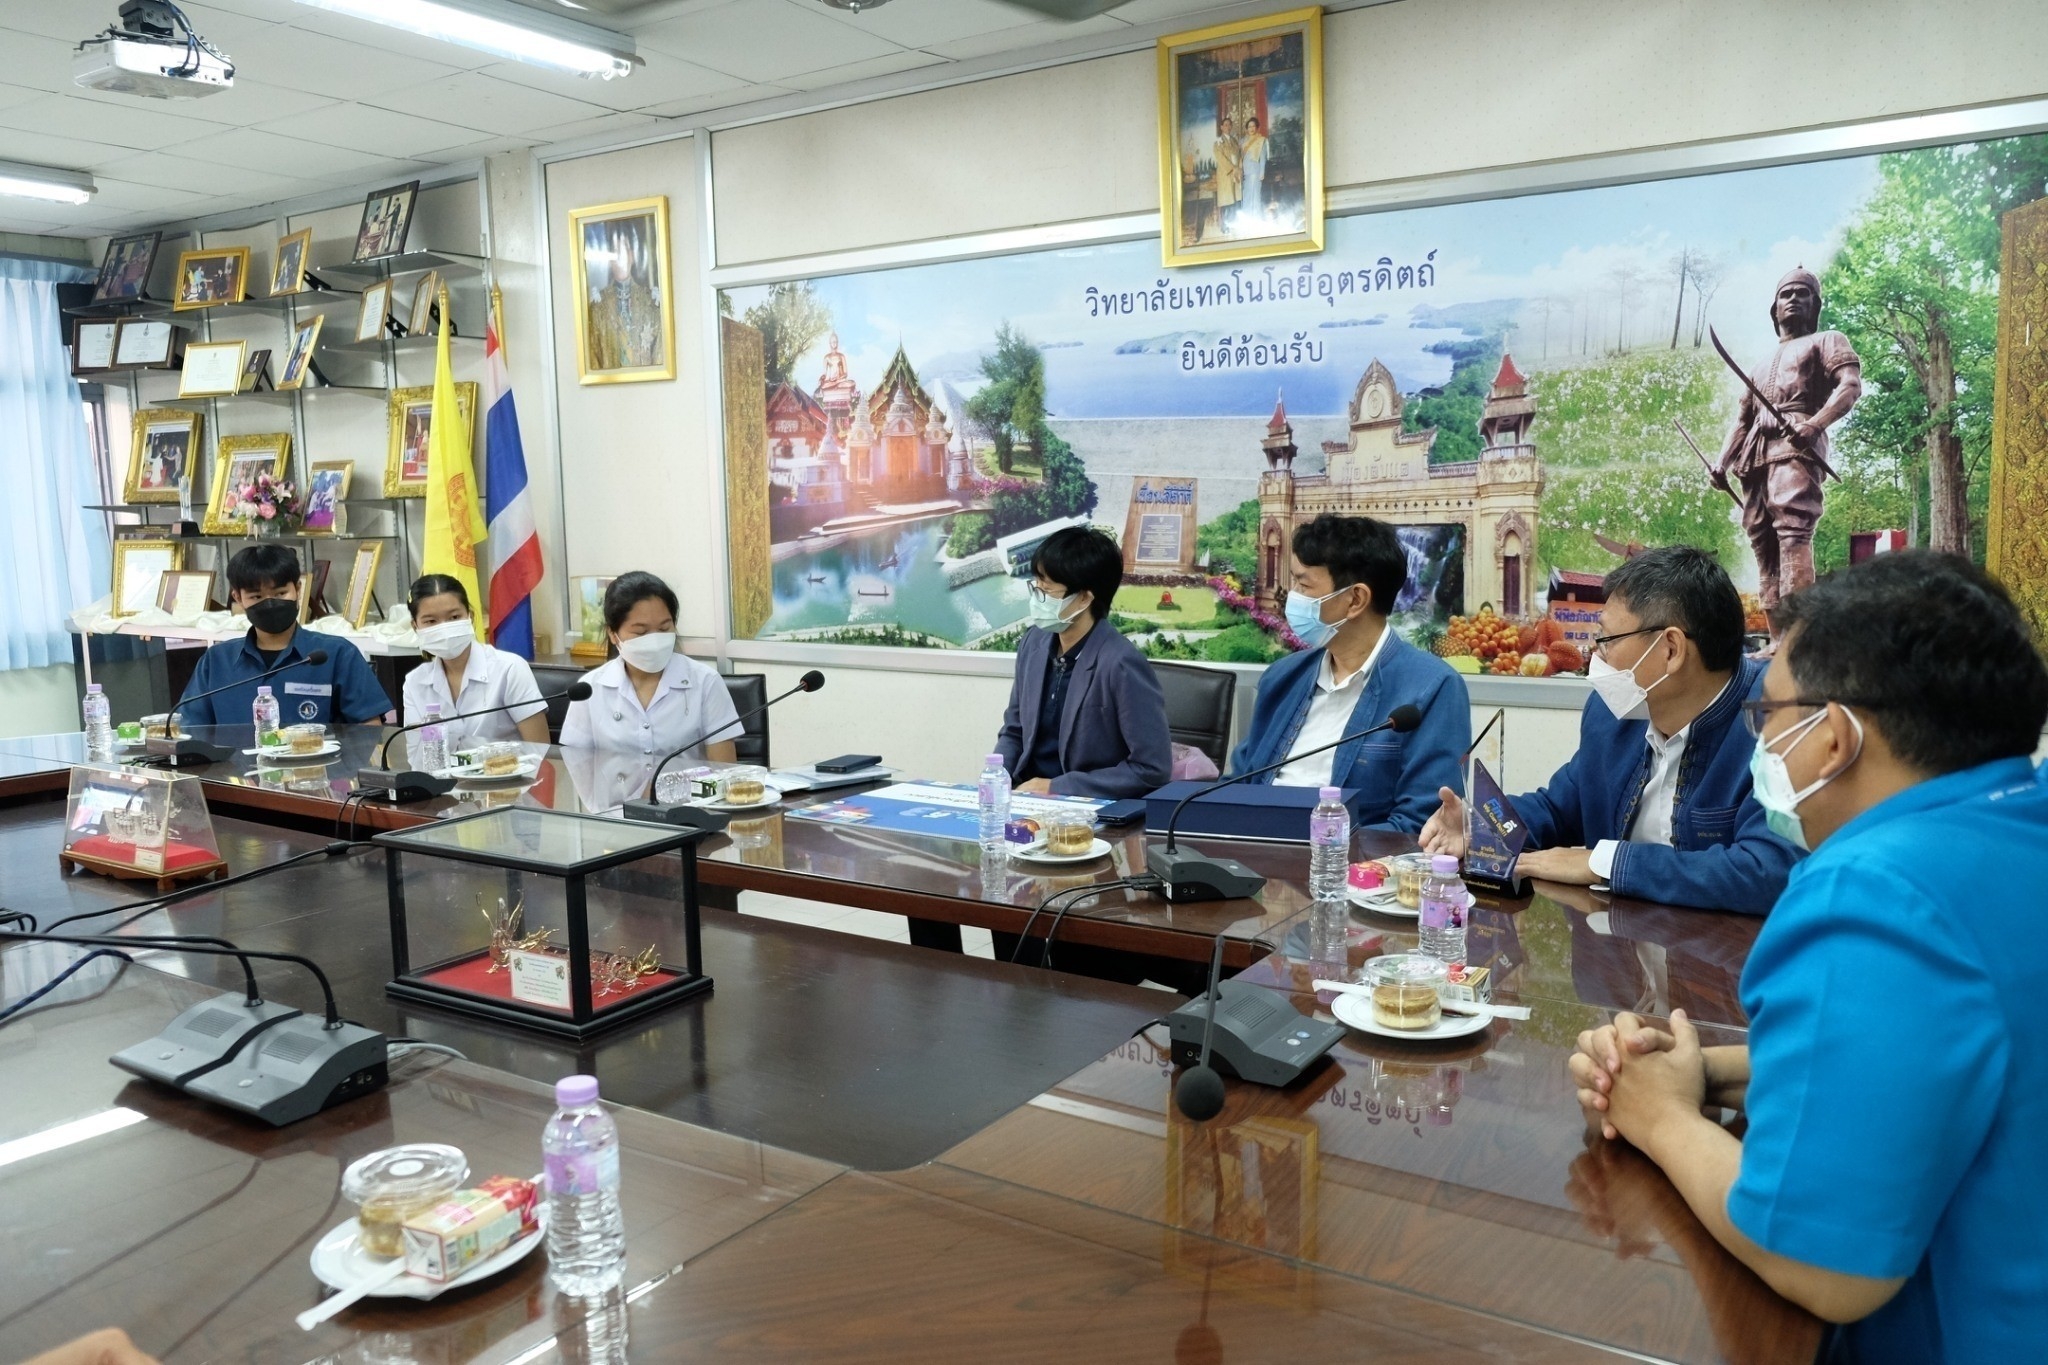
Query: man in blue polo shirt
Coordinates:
[263,584]
[1896,1078]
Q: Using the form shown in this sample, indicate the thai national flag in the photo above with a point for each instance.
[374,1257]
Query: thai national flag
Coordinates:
[513,543]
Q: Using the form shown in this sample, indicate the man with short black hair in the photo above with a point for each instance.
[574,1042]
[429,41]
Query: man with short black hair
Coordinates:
[263,584]
[1896,1078]
[1348,574]
[1656,802]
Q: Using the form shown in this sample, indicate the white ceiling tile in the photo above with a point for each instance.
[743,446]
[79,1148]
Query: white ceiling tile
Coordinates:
[1017,39]
[230,185]
[921,23]
[474,100]
[134,194]
[608,123]
[860,71]
[250,150]
[362,128]
[222,28]
[723,99]
[765,41]
[62,19]
[299,59]
[13,95]
[129,125]
[1155,11]
[36,226]
[389,171]
[246,103]
[662,79]
[48,149]
[44,63]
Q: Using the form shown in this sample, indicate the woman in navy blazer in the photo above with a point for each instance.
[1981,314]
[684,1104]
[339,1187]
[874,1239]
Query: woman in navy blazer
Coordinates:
[1086,716]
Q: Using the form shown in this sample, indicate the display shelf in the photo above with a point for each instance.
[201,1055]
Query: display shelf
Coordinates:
[405,263]
[114,308]
[198,404]
[418,341]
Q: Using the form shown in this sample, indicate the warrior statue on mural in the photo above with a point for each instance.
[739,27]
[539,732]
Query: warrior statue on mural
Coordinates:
[1777,454]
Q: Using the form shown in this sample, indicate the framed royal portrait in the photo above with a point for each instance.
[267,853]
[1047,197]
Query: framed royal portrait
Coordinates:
[625,320]
[1241,139]
[412,421]
[299,357]
[162,448]
[183,594]
[124,270]
[375,307]
[139,568]
[362,582]
[288,268]
[92,345]
[387,217]
[212,369]
[327,484]
[237,461]
[210,276]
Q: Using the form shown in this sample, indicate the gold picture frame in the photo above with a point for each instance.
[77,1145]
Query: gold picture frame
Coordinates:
[210,276]
[139,567]
[163,449]
[298,357]
[176,590]
[371,311]
[212,369]
[327,484]
[416,319]
[236,461]
[624,290]
[362,582]
[288,266]
[411,423]
[1241,139]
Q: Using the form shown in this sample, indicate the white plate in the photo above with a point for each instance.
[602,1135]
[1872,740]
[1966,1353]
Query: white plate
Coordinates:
[1035,853]
[529,768]
[327,750]
[1388,905]
[340,1261]
[1355,1009]
[774,794]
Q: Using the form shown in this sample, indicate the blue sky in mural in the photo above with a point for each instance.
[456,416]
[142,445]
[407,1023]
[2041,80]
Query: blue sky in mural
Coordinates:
[1567,273]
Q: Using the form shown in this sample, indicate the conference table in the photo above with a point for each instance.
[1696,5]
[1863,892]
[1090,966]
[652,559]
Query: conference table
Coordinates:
[860,1150]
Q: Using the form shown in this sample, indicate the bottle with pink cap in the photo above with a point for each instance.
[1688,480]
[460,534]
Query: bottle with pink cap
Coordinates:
[1444,904]
[580,1154]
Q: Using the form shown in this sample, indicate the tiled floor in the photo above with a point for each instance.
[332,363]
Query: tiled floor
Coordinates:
[871,923]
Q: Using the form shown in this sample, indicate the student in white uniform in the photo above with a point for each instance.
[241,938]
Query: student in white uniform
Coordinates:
[465,674]
[650,699]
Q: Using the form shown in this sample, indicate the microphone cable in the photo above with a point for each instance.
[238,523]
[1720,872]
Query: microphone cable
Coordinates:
[7,1015]
[1141,881]
[333,850]
[1074,895]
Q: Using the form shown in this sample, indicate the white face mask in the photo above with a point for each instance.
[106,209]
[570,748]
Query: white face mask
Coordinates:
[447,640]
[1625,697]
[1771,780]
[1050,612]
[649,653]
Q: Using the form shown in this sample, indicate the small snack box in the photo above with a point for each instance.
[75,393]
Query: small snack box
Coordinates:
[469,1226]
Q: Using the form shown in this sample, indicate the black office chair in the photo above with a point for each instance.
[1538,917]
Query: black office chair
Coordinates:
[1199,705]
[552,678]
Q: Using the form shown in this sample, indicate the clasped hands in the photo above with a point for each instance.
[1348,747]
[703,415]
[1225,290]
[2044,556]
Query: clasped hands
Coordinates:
[1632,1076]
[1445,833]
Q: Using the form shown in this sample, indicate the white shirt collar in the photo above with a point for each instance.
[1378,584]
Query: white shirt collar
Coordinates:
[1662,745]
[1326,677]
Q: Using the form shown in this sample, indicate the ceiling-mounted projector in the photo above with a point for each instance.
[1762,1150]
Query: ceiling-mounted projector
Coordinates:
[141,54]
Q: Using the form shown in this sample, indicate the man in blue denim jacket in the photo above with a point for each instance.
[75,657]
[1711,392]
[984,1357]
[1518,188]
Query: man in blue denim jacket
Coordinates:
[1348,573]
[1656,802]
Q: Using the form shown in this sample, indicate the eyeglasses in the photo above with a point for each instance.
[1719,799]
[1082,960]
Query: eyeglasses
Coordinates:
[1757,714]
[1600,642]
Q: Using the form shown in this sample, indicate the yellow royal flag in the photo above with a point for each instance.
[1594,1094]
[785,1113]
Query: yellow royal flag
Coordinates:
[455,518]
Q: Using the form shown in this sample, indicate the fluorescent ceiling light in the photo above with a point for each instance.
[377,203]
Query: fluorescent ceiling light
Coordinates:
[504,30]
[67,1134]
[45,182]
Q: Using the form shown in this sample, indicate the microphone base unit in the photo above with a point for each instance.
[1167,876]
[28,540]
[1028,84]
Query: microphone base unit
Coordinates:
[298,1069]
[1259,1036]
[184,752]
[677,813]
[1190,876]
[204,1037]
[404,786]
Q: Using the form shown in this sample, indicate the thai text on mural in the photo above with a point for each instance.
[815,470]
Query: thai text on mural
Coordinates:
[1250,353]
[1265,284]
[1181,492]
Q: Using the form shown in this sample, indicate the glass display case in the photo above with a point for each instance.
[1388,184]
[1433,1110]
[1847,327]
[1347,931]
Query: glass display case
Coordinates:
[562,922]
[139,824]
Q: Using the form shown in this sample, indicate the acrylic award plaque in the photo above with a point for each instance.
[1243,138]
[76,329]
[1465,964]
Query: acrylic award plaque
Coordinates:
[1494,835]
[139,824]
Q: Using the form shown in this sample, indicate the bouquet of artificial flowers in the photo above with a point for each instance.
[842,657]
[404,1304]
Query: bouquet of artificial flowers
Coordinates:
[269,499]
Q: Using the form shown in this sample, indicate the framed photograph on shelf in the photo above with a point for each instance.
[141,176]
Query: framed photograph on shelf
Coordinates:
[412,419]
[210,276]
[212,368]
[326,489]
[139,566]
[92,346]
[313,591]
[162,447]
[376,306]
[184,594]
[587,632]
[256,371]
[1241,139]
[236,463]
[300,356]
[423,293]
[387,215]
[288,267]
[362,582]
[625,328]
[124,270]
[140,344]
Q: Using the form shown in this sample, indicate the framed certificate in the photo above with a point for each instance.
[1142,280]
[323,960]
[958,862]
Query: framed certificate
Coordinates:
[362,583]
[139,567]
[184,593]
[92,346]
[212,368]
[376,306]
[143,344]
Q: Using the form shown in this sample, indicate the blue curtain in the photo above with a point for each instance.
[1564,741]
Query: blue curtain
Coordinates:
[54,555]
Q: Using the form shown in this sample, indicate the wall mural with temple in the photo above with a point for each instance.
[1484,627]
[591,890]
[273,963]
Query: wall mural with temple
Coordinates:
[1790,367]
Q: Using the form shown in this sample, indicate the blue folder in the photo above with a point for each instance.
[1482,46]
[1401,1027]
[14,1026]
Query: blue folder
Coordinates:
[1244,811]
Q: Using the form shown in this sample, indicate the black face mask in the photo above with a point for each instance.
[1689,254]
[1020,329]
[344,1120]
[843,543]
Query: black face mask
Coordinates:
[273,615]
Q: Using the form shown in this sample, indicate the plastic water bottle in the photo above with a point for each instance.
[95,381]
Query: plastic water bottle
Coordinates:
[1444,905]
[1329,845]
[265,713]
[99,723]
[995,802]
[430,743]
[580,1154]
